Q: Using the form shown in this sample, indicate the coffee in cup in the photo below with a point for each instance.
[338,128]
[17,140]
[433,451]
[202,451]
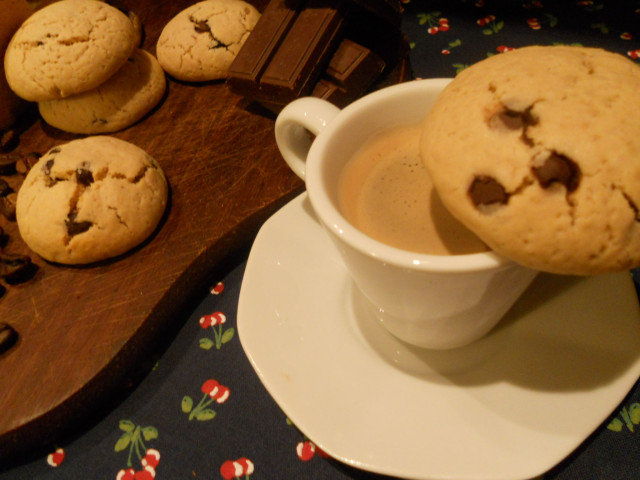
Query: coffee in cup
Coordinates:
[385,191]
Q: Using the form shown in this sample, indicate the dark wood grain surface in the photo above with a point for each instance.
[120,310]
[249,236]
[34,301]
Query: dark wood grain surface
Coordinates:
[85,330]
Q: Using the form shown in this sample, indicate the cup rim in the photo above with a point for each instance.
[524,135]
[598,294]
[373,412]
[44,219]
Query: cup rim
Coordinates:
[339,226]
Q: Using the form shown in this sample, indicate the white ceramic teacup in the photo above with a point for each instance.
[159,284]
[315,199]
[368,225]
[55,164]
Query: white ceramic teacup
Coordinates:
[432,301]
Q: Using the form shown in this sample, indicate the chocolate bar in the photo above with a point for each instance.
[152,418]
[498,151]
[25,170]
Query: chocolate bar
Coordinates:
[354,67]
[330,92]
[332,49]
[351,71]
[304,52]
[287,50]
[254,56]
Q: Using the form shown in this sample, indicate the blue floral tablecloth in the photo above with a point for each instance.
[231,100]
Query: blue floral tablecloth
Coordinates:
[202,413]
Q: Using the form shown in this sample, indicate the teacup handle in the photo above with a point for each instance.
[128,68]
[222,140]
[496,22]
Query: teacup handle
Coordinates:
[307,114]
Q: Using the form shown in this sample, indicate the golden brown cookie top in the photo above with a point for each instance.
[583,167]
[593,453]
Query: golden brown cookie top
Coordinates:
[537,151]
[200,42]
[90,199]
[119,102]
[68,47]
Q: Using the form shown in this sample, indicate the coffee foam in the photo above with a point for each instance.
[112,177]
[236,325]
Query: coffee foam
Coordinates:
[386,193]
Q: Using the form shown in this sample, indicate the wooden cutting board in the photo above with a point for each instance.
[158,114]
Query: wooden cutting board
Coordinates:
[85,332]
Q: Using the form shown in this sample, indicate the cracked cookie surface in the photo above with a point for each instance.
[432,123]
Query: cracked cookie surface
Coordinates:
[201,42]
[116,104]
[90,199]
[537,151]
[68,47]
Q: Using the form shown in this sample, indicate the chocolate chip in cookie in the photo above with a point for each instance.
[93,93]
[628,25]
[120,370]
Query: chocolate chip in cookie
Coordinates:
[558,168]
[486,190]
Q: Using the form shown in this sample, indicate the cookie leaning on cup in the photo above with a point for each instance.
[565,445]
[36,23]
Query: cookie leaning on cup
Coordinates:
[537,151]
[90,199]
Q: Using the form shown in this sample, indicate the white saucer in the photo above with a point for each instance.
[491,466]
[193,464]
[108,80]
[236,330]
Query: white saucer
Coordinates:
[509,406]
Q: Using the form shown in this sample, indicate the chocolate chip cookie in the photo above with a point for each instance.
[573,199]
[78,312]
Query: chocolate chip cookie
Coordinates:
[200,42]
[90,199]
[537,151]
[68,47]
[116,104]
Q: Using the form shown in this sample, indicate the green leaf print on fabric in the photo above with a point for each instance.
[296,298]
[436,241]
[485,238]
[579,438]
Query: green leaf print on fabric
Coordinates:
[434,21]
[454,44]
[491,24]
[133,439]
[206,343]
[627,417]
[428,18]
[458,67]
[603,28]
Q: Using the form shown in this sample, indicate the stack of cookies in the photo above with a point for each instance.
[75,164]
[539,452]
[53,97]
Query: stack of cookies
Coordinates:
[80,61]
[97,197]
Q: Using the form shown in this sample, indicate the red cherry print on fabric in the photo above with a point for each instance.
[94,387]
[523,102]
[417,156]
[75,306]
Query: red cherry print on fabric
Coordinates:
[443,24]
[490,25]
[215,321]
[128,474]
[306,450]
[246,464]
[147,473]
[485,20]
[216,318]
[534,24]
[151,458]
[56,458]
[434,22]
[228,470]
[242,467]
[210,387]
[213,392]
[217,288]
[218,392]
[148,465]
